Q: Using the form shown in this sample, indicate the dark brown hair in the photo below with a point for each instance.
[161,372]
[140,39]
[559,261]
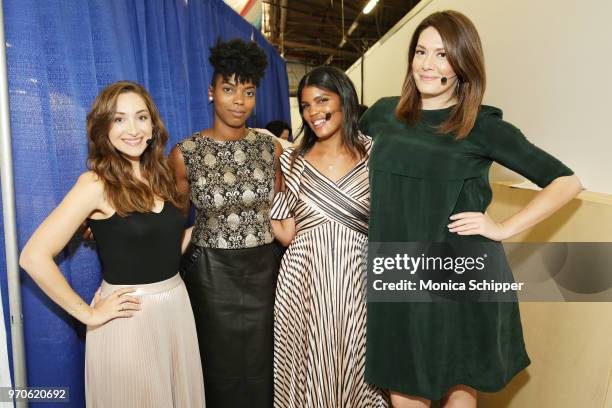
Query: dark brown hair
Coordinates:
[123,191]
[464,53]
[336,81]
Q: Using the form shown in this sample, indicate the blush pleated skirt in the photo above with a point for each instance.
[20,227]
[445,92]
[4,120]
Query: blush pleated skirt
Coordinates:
[149,360]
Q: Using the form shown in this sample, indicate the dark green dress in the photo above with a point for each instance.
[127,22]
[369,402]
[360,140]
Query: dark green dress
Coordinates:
[418,179]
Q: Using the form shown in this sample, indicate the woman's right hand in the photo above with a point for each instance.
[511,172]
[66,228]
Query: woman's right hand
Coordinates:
[117,304]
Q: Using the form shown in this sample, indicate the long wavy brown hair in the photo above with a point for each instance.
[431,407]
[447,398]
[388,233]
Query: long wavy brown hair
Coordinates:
[124,192]
[464,53]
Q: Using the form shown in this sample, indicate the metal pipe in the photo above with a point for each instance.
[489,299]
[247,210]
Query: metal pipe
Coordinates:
[321,49]
[283,24]
[10,228]
[362,77]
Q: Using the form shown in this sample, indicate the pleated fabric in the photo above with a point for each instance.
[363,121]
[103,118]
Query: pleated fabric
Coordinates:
[150,360]
[320,309]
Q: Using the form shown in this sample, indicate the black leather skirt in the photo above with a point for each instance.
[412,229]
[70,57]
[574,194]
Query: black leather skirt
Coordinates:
[232,296]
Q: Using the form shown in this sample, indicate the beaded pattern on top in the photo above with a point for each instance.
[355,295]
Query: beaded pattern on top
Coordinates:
[232,188]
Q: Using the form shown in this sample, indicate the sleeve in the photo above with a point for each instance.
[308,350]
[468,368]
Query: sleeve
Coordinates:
[506,145]
[376,113]
[285,201]
[281,207]
[365,122]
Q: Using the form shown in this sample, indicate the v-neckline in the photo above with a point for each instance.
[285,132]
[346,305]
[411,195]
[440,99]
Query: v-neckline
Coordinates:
[337,182]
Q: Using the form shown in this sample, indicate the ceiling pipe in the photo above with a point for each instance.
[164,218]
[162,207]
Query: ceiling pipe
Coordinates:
[321,49]
[283,24]
[353,27]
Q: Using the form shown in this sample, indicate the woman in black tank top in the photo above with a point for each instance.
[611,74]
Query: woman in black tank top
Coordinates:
[141,346]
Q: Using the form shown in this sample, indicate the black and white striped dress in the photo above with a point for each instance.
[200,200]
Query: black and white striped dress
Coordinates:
[320,310]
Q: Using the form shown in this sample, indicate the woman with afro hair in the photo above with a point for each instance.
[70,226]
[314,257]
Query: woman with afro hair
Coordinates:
[231,173]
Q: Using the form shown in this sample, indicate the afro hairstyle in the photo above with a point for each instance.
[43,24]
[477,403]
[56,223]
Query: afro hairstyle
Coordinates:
[246,61]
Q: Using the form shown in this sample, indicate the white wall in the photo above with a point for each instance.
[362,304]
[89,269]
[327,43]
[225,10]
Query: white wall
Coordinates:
[568,342]
[296,118]
[548,63]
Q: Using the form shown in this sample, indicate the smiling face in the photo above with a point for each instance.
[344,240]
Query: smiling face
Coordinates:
[429,66]
[131,126]
[322,111]
[233,101]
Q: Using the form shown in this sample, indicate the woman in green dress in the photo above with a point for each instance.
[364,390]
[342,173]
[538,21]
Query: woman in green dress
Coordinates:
[429,165]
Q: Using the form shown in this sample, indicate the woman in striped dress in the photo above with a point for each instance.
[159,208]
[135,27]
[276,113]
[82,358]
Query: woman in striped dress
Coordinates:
[320,310]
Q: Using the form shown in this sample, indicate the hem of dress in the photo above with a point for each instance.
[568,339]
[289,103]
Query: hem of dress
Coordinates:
[439,396]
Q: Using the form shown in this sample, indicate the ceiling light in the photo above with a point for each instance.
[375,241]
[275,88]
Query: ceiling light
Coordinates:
[371,4]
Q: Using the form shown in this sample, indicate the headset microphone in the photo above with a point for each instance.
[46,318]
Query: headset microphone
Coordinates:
[444,80]
[328,115]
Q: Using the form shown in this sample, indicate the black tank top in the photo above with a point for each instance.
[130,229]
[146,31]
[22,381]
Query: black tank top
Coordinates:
[140,248]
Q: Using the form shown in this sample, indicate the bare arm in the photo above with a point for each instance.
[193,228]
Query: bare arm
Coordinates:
[186,239]
[177,164]
[52,236]
[284,230]
[554,196]
[278,174]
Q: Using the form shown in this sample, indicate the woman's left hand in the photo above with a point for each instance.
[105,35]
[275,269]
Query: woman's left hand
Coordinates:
[475,223]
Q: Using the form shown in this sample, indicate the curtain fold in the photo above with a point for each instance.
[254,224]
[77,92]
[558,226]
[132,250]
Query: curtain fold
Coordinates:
[60,54]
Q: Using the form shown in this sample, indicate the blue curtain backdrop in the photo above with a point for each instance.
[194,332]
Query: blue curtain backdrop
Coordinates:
[60,54]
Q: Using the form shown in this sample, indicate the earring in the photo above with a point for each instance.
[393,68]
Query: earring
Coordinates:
[210,99]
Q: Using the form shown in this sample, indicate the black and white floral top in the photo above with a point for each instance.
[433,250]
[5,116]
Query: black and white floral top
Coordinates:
[232,188]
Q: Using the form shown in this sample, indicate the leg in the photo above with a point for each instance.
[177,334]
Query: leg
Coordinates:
[399,400]
[460,396]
